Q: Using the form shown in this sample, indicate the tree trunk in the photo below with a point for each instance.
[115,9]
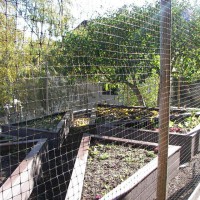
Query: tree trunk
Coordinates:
[133,87]
[137,92]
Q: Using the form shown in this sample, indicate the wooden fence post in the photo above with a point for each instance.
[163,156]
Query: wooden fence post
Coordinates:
[165,62]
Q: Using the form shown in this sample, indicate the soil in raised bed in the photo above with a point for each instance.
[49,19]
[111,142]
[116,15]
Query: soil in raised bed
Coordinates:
[147,118]
[81,121]
[46,123]
[110,164]
[50,123]
[111,114]
[9,161]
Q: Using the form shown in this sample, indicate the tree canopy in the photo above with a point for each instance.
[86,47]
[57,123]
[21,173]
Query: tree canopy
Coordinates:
[185,40]
[120,48]
[29,30]
[123,47]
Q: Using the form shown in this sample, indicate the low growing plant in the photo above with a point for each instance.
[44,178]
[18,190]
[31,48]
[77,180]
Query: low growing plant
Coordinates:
[186,125]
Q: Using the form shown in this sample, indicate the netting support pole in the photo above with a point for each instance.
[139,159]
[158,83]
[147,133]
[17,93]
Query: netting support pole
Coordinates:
[47,90]
[165,62]
[179,91]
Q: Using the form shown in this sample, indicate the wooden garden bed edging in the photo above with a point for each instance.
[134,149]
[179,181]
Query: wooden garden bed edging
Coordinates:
[141,185]
[21,182]
[7,138]
[189,142]
[172,108]
[55,138]
[76,182]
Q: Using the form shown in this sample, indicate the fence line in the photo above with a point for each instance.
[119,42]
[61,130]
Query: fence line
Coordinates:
[99,99]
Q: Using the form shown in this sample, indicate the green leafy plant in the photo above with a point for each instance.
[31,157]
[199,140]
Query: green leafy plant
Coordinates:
[171,123]
[186,125]
[93,152]
[104,156]
[150,154]
[192,121]
[129,159]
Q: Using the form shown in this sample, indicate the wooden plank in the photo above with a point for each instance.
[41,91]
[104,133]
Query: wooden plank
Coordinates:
[76,183]
[21,182]
[116,139]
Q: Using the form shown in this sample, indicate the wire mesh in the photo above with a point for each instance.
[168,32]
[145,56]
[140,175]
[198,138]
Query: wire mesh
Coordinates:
[184,97]
[79,101]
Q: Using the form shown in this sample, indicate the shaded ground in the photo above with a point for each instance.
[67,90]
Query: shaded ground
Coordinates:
[182,186]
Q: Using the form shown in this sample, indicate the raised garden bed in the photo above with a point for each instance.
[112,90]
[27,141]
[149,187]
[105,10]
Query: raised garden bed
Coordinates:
[184,129]
[138,117]
[135,112]
[140,184]
[59,166]
[6,138]
[106,114]
[21,164]
[189,142]
[54,127]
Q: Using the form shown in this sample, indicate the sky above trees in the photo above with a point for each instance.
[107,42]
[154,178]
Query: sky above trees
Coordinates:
[86,9]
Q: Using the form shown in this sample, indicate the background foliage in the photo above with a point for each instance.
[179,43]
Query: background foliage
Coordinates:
[120,48]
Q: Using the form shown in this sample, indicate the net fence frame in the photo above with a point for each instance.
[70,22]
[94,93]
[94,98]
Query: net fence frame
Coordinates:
[109,91]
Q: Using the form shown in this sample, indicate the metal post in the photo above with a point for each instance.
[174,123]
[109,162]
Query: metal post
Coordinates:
[165,61]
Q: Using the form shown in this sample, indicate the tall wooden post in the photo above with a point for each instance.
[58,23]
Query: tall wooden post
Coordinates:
[165,60]
[47,90]
[179,91]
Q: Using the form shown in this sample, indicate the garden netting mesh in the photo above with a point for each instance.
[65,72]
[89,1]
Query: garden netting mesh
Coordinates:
[99,99]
